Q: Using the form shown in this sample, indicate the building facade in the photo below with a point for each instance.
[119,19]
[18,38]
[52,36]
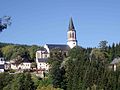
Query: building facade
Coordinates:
[22,66]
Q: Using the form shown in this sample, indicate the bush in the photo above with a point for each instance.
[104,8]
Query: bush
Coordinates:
[12,71]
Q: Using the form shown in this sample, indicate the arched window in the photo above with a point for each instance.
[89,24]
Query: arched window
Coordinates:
[72,35]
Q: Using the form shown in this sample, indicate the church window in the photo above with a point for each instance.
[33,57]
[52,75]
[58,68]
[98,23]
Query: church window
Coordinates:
[46,56]
[72,35]
[68,35]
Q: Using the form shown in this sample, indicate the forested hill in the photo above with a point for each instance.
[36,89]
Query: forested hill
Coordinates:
[86,69]
[12,51]
[5,44]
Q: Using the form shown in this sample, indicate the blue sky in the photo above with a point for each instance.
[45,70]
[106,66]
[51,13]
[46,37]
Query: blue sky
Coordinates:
[46,21]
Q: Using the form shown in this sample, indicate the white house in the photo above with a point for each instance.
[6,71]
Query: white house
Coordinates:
[22,66]
[42,55]
[2,63]
[42,64]
[115,63]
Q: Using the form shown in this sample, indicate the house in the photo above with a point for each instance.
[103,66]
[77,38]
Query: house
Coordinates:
[43,54]
[42,64]
[115,63]
[25,65]
[2,63]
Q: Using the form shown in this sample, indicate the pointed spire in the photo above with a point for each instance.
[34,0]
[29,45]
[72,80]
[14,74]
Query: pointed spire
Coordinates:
[71,25]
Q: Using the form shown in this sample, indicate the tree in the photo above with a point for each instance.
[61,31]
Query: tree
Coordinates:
[56,71]
[21,81]
[7,51]
[4,22]
[32,51]
[1,54]
[12,52]
[56,74]
[103,45]
[5,79]
[97,54]
[28,83]
[49,87]
[75,69]
[44,83]
[20,51]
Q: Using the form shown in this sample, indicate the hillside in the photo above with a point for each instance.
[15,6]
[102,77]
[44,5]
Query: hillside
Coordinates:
[12,51]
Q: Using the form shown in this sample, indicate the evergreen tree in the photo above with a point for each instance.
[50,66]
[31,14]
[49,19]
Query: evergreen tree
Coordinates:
[75,70]
[28,83]
[21,81]
[56,71]
[5,79]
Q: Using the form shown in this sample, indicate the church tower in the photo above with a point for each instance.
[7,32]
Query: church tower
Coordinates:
[71,34]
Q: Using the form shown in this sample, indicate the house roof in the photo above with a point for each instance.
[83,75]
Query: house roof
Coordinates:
[2,66]
[26,61]
[45,52]
[19,62]
[58,46]
[115,61]
[42,59]
[42,49]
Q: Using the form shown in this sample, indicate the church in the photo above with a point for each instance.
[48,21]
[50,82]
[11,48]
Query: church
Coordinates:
[42,55]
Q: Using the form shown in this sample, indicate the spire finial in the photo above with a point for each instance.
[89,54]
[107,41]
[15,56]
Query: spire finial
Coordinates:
[71,25]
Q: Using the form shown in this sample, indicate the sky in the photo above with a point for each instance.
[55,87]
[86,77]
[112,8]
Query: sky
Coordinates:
[39,22]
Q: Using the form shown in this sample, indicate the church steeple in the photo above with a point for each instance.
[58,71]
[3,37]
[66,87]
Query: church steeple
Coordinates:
[72,41]
[71,25]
